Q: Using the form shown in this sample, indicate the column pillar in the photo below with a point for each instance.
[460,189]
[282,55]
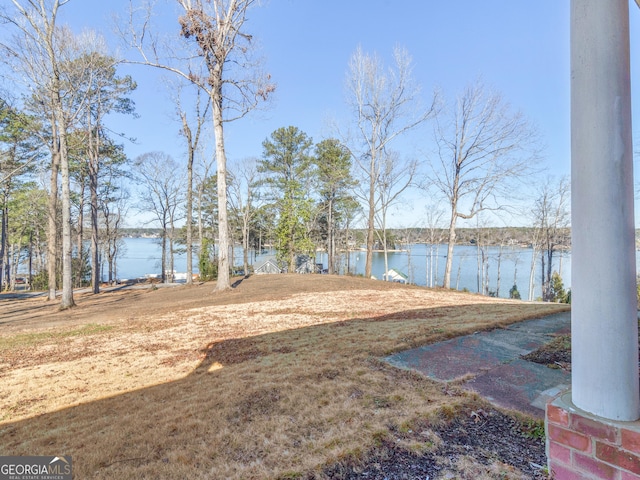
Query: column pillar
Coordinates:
[604,323]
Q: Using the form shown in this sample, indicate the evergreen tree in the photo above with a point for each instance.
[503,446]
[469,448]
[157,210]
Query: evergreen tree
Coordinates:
[288,166]
[334,180]
[206,261]
[558,293]
[17,154]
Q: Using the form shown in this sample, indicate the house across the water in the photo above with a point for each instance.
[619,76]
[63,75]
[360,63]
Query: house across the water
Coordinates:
[269,266]
[394,275]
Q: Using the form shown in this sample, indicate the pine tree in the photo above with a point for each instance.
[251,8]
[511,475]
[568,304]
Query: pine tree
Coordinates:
[558,293]
[334,180]
[288,166]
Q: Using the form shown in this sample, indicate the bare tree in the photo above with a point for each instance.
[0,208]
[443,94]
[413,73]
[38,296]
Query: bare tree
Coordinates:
[214,30]
[434,238]
[161,196]
[483,245]
[191,129]
[351,211]
[385,104]
[244,198]
[396,176]
[105,93]
[482,148]
[536,246]
[113,206]
[552,220]
[504,239]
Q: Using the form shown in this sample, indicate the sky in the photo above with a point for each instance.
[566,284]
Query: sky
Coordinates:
[518,48]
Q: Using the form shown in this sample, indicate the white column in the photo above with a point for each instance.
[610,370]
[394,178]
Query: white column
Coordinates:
[604,322]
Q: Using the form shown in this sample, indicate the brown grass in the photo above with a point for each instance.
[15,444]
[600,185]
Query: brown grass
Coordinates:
[220,386]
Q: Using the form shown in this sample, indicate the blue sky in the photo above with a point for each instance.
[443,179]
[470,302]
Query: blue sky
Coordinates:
[519,48]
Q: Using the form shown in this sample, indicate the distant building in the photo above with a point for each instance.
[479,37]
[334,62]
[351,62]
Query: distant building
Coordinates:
[305,264]
[268,267]
[394,275]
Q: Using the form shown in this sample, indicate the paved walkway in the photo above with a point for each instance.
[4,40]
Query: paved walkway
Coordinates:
[492,363]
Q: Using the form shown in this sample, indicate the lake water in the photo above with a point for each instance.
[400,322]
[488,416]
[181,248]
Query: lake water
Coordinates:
[423,266]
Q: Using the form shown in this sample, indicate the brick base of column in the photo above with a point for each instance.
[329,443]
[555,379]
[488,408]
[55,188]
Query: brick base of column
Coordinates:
[581,446]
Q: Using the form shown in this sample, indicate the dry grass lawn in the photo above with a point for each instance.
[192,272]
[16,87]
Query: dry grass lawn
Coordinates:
[278,378]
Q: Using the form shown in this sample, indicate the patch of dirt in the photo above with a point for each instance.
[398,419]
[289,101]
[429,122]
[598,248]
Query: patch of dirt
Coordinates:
[499,445]
[555,354]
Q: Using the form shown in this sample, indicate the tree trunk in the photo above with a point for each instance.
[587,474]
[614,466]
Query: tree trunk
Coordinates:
[95,259]
[60,136]
[409,265]
[224,282]
[384,246]
[498,274]
[11,266]
[107,250]
[30,259]
[4,257]
[163,262]
[67,277]
[200,226]
[292,251]
[94,165]
[532,272]
[451,243]
[347,248]
[111,278]
[480,267]
[485,272]
[429,267]
[437,267]
[52,230]
[246,230]
[189,202]
[370,220]
[190,219]
[330,240]
[245,249]
[113,254]
[549,271]
[543,277]
[171,263]
[80,233]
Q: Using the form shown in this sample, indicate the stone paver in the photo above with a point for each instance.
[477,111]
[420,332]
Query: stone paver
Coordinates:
[490,363]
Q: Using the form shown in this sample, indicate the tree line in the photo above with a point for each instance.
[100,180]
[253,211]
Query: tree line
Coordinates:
[297,195]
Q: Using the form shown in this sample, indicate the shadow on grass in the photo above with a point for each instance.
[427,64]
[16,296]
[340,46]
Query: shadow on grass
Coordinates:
[237,283]
[261,406]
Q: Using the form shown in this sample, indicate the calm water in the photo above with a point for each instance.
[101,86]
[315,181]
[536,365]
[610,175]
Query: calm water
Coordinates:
[423,266]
